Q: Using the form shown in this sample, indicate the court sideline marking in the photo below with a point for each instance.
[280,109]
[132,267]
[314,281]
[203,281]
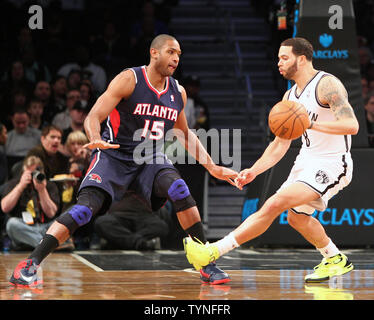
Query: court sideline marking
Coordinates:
[86,262]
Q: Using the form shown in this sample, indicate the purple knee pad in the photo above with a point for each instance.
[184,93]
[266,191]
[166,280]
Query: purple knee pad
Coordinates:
[80,214]
[178,190]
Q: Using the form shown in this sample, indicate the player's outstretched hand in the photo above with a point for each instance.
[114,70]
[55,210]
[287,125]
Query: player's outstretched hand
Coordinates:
[101,145]
[244,177]
[224,173]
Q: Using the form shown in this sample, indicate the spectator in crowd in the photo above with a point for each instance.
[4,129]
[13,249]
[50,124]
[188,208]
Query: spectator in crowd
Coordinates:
[43,93]
[74,79]
[3,159]
[20,139]
[111,49]
[371,85]
[24,40]
[35,70]
[35,110]
[78,114]
[31,203]
[63,119]
[369,109]
[89,70]
[14,80]
[58,98]
[54,162]
[131,225]
[74,146]
[365,87]
[18,100]
[87,93]
[365,57]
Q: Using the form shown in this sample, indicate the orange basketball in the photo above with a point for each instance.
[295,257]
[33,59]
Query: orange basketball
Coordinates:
[288,119]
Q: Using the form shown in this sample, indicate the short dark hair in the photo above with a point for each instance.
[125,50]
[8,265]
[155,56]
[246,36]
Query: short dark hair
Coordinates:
[19,109]
[159,41]
[300,47]
[47,129]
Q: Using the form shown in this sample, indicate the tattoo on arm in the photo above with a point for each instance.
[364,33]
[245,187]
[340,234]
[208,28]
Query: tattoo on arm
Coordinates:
[332,92]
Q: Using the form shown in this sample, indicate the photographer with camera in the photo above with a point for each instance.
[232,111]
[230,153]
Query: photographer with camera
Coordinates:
[31,203]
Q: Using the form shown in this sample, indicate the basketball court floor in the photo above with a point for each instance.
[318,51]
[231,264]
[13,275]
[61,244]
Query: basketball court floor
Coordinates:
[259,274]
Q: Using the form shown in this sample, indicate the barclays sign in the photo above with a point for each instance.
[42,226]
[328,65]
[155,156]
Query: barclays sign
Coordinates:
[326,40]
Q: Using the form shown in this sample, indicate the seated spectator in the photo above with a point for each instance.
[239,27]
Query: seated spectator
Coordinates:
[35,69]
[74,146]
[62,119]
[74,79]
[14,80]
[43,93]
[79,162]
[369,108]
[87,93]
[89,70]
[58,98]
[54,162]
[131,225]
[365,87]
[77,116]
[31,203]
[3,159]
[18,100]
[35,110]
[22,138]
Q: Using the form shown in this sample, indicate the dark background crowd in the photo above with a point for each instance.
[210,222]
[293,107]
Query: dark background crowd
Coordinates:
[49,80]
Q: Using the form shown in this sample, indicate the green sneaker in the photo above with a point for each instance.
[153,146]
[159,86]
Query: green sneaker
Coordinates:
[328,268]
[198,254]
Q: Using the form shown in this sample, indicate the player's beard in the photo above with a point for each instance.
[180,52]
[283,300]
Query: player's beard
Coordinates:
[290,72]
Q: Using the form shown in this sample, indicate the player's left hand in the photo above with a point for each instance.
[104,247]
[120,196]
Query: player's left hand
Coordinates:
[224,173]
[100,144]
[244,177]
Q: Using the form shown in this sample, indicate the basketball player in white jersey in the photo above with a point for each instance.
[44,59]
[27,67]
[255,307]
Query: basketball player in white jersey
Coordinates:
[322,168]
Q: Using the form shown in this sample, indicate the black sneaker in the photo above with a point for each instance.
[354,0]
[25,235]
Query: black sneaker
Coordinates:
[25,274]
[213,275]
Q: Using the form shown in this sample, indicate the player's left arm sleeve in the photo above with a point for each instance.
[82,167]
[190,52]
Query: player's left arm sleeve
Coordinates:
[331,92]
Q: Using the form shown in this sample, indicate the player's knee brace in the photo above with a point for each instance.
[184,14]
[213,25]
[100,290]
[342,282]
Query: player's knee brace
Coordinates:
[180,195]
[90,201]
[75,217]
[169,184]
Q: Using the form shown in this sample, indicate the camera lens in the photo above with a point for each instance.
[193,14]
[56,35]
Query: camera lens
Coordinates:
[38,175]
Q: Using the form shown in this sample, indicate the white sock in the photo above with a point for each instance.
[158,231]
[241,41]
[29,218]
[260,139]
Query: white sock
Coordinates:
[226,244]
[330,250]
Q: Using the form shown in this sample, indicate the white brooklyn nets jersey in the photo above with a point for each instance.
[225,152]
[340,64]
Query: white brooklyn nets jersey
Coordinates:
[317,143]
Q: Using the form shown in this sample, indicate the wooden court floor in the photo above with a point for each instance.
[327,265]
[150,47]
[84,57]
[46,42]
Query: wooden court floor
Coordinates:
[165,275]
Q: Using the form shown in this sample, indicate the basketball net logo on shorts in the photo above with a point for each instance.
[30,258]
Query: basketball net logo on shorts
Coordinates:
[322,177]
[95,177]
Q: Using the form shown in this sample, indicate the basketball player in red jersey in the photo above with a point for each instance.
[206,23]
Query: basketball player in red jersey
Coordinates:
[322,168]
[153,103]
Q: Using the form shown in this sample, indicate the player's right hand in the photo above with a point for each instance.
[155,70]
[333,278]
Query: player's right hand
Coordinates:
[101,145]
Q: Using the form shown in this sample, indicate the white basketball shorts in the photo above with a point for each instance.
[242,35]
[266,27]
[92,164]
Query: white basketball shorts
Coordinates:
[326,176]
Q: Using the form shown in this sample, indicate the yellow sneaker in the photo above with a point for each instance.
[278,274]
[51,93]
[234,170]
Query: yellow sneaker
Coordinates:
[334,266]
[198,254]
